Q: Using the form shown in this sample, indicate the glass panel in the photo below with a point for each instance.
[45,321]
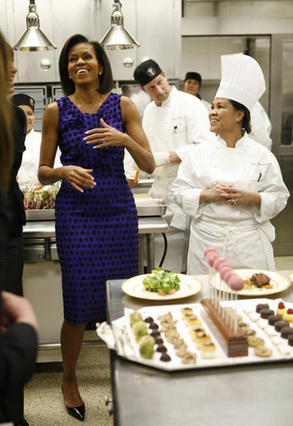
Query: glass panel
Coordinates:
[283,244]
[287,93]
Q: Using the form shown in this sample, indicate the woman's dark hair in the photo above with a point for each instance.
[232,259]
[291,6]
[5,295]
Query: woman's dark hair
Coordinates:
[6,142]
[246,119]
[106,79]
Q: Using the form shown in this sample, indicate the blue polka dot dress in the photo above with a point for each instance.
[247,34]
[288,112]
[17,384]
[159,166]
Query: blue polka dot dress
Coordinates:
[97,230]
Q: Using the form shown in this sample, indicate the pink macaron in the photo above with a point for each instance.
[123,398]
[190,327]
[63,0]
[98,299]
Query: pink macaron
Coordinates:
[235,282]
[223,269]
[209,250]
[211,258]
[227,275]
[218,262]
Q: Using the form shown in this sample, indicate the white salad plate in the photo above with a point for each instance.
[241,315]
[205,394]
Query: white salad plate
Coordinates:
[135,288]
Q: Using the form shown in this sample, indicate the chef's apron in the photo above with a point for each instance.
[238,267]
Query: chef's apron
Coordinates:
[242,246]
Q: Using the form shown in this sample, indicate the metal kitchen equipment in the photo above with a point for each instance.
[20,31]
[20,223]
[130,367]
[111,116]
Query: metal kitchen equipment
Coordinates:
[33,39]
[117,37]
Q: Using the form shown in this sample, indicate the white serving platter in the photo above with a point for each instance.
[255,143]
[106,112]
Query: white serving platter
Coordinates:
[127,347]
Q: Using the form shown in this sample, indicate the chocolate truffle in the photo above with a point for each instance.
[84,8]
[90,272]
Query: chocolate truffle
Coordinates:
[159,340]
[274,318]
[280,324]
[162,348]
[286,331]
[154,326]
[165,357]
[155,333]
[266,312]
[261,306]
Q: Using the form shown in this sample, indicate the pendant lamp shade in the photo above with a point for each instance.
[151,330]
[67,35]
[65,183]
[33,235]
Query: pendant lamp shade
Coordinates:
[117,37]
[33,39]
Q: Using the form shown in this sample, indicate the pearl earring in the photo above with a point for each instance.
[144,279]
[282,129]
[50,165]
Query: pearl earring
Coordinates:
[100,73]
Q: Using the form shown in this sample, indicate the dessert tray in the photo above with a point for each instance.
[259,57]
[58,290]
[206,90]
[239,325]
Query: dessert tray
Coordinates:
[278,281]
[120,336]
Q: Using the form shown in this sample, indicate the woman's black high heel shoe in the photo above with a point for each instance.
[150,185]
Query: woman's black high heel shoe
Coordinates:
[77,412]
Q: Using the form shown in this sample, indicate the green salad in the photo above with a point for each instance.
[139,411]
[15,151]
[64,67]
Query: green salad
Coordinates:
[161,281]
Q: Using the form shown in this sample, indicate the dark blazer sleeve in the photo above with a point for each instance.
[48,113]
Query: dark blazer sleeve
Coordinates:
[16,212]
[18,350]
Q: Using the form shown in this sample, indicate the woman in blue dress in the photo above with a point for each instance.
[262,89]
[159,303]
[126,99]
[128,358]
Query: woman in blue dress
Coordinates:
[96,218]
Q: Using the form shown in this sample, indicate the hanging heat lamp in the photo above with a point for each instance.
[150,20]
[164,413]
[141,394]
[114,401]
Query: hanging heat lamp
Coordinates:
[117,37]
[33,39]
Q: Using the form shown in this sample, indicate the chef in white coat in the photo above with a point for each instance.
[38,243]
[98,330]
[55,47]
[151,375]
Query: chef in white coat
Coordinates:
[192,85]
[27,176]
[232,186]
[174,122]
[261,126]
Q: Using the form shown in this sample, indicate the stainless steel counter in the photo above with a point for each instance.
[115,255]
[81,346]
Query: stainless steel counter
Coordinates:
[46,228]
[147,227]
[250,395]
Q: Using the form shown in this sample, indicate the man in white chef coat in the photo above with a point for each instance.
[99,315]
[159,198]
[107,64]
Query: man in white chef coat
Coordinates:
[28,173]
[174,122]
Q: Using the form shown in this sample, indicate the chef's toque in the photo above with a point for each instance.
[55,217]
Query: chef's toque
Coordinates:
[242,81]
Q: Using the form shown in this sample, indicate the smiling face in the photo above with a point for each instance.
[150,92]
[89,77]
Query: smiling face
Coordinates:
[225,120]
[29,115]
[191,86]
[158,89]
[83,66]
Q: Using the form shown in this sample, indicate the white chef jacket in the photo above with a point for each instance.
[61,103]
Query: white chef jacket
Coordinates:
[261,126]
[241,234]
[177,125]
[207,105]
[28,172]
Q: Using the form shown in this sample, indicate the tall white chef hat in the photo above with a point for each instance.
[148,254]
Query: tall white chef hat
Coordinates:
[242,80]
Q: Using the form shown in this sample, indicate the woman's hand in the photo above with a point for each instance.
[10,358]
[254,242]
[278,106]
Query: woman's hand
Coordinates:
[216,192]
[173,157]
[78,176]
[241,197]
[104,136]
